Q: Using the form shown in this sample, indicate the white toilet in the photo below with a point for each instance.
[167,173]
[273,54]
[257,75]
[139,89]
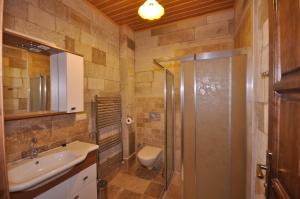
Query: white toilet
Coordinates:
[148,156]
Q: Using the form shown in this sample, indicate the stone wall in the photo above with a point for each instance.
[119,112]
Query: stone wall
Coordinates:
[262,92]
[50,131]
[243,36]
[80,28]
[211,32]
[255,37]
[127,75]
[150,121]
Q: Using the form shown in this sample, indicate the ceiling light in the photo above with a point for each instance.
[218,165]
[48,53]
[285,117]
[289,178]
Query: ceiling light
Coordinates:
[151,10]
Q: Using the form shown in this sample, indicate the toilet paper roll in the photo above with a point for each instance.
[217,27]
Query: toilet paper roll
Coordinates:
[129,120]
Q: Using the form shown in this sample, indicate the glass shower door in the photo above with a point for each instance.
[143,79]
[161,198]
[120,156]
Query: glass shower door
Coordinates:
[214,127]
[169,127]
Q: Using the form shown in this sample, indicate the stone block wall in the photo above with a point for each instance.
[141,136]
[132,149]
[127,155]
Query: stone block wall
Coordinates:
[127,76]
[50,132]
[246,36]
[262,91]
[211,32]
[150,121]
[80,28]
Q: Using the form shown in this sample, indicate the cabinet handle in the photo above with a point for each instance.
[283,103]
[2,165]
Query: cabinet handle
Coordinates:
[85,178]
[76,197]
[73,108]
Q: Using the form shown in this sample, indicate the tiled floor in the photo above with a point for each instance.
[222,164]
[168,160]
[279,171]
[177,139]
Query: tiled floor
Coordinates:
[136,182]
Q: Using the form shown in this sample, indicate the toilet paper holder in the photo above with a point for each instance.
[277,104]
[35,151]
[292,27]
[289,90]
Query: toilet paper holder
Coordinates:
[129,120]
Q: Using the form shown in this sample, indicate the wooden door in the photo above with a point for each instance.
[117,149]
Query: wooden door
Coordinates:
[284,126]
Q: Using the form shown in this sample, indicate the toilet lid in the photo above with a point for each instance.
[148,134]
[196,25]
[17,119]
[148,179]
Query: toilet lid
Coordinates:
[149,152]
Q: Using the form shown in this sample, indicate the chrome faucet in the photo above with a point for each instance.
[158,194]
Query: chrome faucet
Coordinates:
[33,150]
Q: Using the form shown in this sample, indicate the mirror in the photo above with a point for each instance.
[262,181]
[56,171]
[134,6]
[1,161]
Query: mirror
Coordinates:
[26,75]
[26,80]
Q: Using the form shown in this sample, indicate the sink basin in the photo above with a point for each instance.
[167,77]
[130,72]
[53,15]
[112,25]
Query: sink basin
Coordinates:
[27,173]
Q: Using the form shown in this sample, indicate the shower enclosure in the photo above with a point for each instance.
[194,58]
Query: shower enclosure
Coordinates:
[169,127]
[213,105]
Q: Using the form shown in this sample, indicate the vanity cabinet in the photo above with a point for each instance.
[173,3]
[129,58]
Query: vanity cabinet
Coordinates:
[67,82]
[80,186]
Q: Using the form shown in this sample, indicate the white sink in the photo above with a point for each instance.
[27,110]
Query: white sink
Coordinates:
[27,173]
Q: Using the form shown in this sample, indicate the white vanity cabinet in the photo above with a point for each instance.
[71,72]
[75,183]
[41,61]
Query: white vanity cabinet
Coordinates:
[67,82]
[80,186]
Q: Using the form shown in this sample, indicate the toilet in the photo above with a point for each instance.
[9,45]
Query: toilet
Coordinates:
[148,156]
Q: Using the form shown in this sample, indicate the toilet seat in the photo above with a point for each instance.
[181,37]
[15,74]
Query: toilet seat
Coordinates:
[148,155]
[149,152]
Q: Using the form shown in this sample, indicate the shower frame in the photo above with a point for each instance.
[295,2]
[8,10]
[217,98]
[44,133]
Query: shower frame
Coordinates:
[167,182]
[166,73]
[250,117]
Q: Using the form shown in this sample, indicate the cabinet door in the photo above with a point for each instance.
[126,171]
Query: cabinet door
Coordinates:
[74,83]
[288,24]
[60,191]
[84,178]
[87,192]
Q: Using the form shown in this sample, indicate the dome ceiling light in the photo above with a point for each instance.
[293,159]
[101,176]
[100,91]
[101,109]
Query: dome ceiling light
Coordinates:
[151,10]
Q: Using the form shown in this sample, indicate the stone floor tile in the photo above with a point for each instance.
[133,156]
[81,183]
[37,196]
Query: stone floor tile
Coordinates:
[126,194]
[155,190]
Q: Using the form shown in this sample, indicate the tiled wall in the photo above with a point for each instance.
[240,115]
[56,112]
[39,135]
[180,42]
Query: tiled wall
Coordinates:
[243,36]
[80,28]
[150,121]
[246,37]
[50,131]
[127,75]
[211,32]
[262,91]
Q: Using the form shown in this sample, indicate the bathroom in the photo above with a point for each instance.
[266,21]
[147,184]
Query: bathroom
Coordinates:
[101,99]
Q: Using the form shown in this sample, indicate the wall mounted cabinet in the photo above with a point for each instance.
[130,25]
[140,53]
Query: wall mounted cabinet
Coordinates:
[67,82]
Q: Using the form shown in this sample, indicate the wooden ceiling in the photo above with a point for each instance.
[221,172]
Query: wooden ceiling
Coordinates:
[125,11]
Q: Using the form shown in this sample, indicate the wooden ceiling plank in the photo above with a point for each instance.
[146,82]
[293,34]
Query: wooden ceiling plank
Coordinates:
[141,26]
[107,3]
[195,9]
[101,2]
[121,4]
[168,12]
[133,11]
[131,8]
[125,11]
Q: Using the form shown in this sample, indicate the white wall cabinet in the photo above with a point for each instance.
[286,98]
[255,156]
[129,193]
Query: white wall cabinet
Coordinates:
[80,186]
[67,83]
